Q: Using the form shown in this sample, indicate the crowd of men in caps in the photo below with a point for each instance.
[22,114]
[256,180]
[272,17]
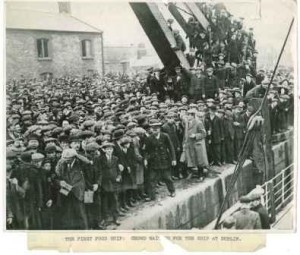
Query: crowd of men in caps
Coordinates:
[82,152]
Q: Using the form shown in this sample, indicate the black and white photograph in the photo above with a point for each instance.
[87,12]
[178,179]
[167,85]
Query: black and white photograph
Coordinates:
[158,115]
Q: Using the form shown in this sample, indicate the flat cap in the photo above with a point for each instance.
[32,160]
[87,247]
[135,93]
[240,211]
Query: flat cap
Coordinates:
[154,123]
[125,139]
[68,153]
[37,157]
[245,200]
[93,146]
[50,148]
[107,144]
[89,123]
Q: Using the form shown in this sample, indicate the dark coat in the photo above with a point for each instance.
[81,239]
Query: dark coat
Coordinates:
[233,51]
[247,87]
[74,177]
[180,44]
[171,130]
[110,172]
[247,219]
[210,86]
[274,118]
[257,92]
[239,130]
[157,86]
[93,173]
[221,74]
[181,85]
[228,128]
[264,217]
[128,161]
[246,119]
[159,152]
[195,84]
[50,187]
[30,195]
[214,129]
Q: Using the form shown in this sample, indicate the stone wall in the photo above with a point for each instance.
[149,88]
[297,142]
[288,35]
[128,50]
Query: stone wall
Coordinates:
[200,204]
[65,55]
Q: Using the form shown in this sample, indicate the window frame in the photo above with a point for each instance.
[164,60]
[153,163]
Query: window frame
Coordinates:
[43,42]
[84,49]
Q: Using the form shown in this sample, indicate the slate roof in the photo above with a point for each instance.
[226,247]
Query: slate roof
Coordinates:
[46,21]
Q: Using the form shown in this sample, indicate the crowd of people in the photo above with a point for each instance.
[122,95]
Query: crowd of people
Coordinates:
[82,150]
[225,47]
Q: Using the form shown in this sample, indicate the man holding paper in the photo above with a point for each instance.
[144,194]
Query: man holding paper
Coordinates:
[71,196]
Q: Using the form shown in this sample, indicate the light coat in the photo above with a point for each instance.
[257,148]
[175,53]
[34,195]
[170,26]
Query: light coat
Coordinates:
[194,148]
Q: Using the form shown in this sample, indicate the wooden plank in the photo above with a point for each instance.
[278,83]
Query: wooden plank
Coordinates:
[159,34]
[194,9]
[179,18]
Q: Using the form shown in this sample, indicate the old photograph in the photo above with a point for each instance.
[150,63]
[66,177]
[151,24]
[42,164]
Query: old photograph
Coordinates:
[159,115]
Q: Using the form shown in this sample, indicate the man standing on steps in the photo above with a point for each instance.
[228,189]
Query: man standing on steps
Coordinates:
[210,86]
[159,158]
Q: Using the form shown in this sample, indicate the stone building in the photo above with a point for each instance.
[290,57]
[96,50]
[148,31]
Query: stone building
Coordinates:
[39,44]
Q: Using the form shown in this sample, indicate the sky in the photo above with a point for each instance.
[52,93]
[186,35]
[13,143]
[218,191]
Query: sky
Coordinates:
[121,26]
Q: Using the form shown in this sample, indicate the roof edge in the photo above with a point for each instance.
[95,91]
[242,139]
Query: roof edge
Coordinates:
[100,31]
[51,30]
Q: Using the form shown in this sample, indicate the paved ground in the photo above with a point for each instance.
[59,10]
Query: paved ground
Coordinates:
[181,186]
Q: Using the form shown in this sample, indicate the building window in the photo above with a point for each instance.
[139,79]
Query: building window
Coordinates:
[42,47]
[86,48]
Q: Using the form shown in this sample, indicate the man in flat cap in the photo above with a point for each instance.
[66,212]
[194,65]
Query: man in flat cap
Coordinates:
[256,206]
[71,196]
[111,181]
[181,83]
[128,160]
[180,44]
[239,128]
[157,84]
[274,120]
[245,218]
[194,146]
[93,180]
[27,181]
[170,128]
[213,126]
[159,158]
[210,84]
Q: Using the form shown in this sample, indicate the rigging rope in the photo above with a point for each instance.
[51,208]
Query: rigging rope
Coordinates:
[250,135]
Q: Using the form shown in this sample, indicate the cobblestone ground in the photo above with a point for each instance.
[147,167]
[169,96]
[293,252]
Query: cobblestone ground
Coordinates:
[162,193]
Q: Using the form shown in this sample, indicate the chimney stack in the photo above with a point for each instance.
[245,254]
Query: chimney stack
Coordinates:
[64,7]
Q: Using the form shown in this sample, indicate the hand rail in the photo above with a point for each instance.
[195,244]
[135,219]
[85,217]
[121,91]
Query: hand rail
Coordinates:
[278,192]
